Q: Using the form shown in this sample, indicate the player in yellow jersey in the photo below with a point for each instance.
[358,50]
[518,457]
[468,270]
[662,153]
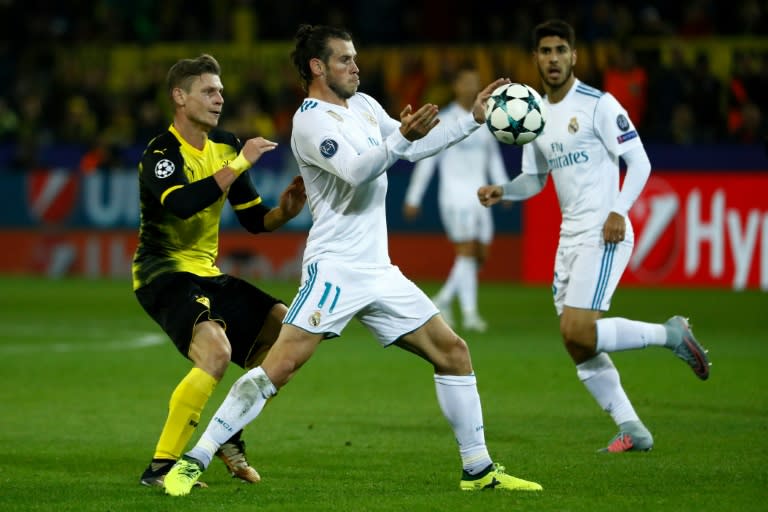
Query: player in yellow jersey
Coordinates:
[185,175]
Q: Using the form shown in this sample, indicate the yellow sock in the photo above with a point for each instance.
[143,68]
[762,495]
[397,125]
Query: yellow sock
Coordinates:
[187,402]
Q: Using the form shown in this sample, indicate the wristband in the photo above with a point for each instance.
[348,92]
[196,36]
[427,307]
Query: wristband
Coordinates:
[240,164]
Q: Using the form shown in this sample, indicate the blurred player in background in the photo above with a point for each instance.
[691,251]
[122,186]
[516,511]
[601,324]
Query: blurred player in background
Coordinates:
[587,131]
[344,143]
[464,167]
[185,176]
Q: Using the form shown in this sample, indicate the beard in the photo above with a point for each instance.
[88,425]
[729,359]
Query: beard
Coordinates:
[342,92]
[555,85]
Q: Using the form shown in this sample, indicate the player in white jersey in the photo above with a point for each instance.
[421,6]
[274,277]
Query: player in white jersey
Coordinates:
[587,132]
[344,143]
[464,167]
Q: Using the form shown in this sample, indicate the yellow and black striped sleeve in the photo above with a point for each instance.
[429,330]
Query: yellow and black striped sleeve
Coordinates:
[247,204]
[162,174]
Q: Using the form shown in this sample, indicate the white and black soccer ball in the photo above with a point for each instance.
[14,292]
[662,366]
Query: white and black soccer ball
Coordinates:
[515,114]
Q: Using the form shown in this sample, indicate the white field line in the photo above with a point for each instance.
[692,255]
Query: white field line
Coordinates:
[124,341]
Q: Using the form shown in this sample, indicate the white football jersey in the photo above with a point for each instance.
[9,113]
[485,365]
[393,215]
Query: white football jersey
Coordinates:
[586,133]
[343,154]
[463,167]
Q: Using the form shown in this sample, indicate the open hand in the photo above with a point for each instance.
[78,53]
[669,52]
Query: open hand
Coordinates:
[415,125]
[294,196]
[255,147]
[478,109]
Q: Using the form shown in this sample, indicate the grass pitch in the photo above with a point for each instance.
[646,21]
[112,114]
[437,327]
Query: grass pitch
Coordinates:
[87,376]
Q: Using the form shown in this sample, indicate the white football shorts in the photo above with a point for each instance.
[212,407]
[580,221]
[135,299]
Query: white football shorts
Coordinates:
[467,223]
[385,301]
[586,275]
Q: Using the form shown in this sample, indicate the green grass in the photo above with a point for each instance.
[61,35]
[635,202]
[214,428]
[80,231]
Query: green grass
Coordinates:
[359,428]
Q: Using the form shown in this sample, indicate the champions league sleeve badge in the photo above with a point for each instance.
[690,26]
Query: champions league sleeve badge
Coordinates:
[164,168]
[622,122]
[328,148]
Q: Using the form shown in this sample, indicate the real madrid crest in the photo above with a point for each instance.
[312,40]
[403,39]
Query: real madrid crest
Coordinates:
[314,319]
[573,125]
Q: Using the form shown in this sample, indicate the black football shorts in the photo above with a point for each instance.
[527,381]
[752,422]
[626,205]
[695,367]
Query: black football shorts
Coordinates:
[179,300]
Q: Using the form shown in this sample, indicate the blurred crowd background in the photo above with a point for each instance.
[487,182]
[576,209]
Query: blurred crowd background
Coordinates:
[90,74]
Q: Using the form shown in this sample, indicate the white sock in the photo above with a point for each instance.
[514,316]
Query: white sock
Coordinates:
[460,403]
[451,285]
[468,285]
[245,400]
[601,378]
[616,334]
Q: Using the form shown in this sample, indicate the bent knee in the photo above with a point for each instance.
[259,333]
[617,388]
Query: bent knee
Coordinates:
[579,338]
[578,332]
[453,357]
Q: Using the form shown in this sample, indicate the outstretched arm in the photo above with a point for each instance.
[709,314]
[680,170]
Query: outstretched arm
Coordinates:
[249,155]
[427,141]
[257,217]
[522,187]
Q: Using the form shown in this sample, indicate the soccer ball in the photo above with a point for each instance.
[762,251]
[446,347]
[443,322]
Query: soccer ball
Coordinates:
[515,114]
